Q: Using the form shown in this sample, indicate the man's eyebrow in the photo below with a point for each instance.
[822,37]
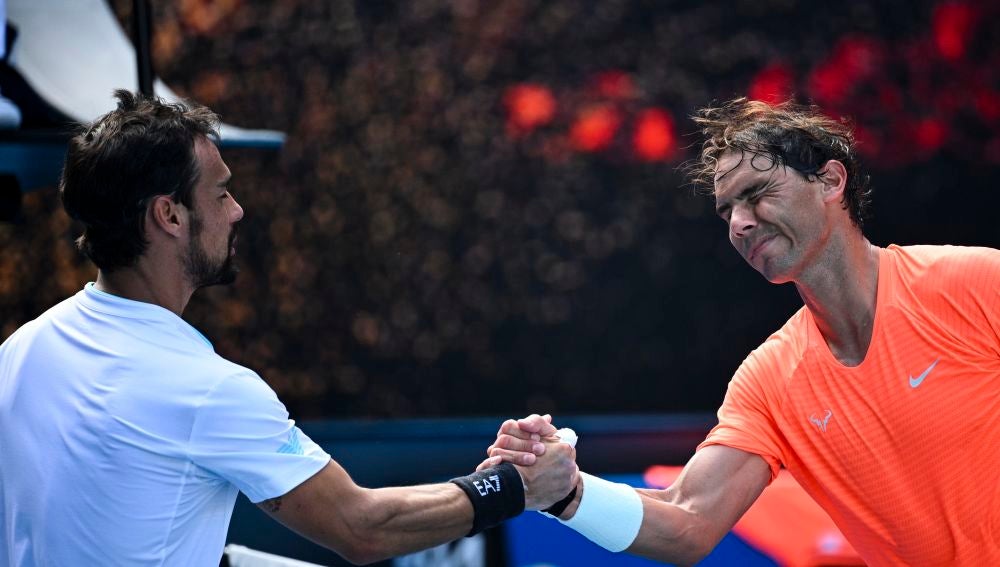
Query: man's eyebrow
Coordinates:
[225,181]
[720,207]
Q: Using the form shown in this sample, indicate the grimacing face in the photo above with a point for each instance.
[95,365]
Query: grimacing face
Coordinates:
[210,255]
[776,216]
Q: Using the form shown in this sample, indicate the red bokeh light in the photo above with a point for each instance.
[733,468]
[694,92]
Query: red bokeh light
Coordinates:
[853,60]
[867,142]
[529,106]
[772,84]
[988,104]
[889,97]
[595,128]
[953,24]
[654,138]
[930,134]
[614,84]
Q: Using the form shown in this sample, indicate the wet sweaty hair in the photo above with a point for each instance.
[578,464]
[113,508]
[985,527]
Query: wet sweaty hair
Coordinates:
[117,164]
[793,135]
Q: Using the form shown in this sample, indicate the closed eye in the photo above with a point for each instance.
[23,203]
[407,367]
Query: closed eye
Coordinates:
[724,212]
[224,186]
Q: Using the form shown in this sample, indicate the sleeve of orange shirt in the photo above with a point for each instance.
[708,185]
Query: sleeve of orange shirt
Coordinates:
[746,421]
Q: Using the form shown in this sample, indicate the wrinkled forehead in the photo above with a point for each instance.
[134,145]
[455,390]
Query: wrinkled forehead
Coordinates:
[735,167]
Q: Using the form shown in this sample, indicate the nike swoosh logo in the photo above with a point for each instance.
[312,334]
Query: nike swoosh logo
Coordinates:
[914,382]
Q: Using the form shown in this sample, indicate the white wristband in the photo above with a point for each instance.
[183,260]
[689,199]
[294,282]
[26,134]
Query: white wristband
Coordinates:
[609,515]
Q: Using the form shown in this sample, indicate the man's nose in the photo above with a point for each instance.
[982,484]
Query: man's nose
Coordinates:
[742,220]
[238,213]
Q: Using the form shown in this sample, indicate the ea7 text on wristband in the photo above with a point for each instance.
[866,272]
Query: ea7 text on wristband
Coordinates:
[497,494]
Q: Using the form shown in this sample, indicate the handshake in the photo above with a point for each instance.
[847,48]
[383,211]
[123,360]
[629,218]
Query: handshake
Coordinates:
[545,458]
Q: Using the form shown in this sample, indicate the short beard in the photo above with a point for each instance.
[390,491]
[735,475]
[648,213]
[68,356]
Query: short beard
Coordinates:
[201,269]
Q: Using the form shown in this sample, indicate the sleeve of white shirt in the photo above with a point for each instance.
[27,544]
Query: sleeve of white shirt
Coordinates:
[243,434]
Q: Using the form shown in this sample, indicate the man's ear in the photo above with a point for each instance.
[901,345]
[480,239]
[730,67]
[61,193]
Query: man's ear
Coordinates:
[833,175]
[167,215]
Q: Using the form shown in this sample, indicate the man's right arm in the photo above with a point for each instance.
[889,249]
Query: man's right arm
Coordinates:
[681,524]
[241,432]
[366,525]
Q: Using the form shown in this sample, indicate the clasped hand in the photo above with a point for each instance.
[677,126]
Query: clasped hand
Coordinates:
[546,464]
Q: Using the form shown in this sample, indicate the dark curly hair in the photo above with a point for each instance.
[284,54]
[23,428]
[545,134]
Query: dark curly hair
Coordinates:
[798,136]
[115,165]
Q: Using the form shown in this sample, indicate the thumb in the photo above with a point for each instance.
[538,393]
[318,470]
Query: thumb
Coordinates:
[490,462]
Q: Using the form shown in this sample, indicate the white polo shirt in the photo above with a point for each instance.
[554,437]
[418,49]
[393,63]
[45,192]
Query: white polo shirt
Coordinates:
[124,438]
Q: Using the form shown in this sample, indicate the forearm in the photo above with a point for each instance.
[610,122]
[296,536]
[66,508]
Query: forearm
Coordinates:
[402,520]
[671,532]
[365,525]
[668,531]
[680,524]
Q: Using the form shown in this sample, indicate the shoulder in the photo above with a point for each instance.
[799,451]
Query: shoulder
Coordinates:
[24,334]
[748,415]
[187,373]
[944,277]
[783,350]
[944,262]
[952,288]
[768,368]
[234,388]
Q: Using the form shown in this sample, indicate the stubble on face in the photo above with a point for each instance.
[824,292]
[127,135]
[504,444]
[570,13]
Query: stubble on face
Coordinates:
[740,181]
[202,269]
[205,264]
[777,212]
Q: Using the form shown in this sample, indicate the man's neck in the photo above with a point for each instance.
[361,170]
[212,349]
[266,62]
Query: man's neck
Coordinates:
[841,293]
[149,285]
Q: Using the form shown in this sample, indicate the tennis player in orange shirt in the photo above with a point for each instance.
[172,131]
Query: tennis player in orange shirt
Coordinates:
[881,395]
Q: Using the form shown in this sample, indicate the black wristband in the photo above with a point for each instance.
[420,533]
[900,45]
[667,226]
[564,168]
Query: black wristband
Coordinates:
[497,494]
[560,507]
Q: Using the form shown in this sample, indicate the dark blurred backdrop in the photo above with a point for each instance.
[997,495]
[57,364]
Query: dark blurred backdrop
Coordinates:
[479,209]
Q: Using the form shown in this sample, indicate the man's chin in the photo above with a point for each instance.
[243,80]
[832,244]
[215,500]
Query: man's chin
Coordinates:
[225,276]
[773,274]
[776,274]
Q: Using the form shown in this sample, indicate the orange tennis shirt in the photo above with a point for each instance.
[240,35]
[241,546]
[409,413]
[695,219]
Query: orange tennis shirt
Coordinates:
[903,450]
